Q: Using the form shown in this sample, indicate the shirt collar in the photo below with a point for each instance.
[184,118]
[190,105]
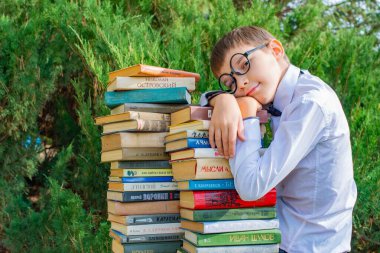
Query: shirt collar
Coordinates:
[286,87]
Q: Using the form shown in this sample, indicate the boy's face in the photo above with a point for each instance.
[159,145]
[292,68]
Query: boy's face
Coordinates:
[267,67]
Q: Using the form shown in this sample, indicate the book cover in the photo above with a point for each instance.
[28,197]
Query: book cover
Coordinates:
[190,113]
[122,83]
[144,219]
[134,154]
[152,247]
[140,165]
[132,140]
[141,196]
[140,179]
[222,199]
[229,214]
[208,227]
[165,228]
[147,107]
[147,70]
[187,143]
[195,153]
[140,125]
[159,186]
[201,168]
[157,172]
[212,184]
[268,248]
[186,134]
[140,208]
[131,115]
[160,96]
[270,236]
[121,238]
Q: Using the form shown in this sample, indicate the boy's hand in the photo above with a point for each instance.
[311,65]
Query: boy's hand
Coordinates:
[226,123]
[248,106]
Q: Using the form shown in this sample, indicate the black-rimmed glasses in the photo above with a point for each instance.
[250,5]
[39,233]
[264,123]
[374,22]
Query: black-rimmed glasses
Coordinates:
[240,65]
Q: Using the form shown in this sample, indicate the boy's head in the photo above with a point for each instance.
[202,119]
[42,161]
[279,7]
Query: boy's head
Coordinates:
[258,72]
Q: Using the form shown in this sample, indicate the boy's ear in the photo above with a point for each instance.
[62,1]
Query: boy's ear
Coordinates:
[277,49]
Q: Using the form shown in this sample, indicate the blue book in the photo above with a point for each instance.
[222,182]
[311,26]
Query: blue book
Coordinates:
[140,179]
[187,143]
[178,95]
[214,184]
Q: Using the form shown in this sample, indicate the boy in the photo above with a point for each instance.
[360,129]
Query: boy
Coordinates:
[309,160]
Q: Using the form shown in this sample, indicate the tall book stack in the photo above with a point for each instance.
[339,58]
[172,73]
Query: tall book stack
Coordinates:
[143,200]
[213,216]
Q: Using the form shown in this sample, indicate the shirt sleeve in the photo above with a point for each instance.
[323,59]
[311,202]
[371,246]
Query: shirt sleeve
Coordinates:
[205,97]
[299,130]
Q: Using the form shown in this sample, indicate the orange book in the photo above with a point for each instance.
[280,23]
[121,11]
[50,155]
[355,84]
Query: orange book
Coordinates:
[146,70]
[134,208]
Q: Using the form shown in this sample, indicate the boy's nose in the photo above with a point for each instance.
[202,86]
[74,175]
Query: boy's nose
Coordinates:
[241,81]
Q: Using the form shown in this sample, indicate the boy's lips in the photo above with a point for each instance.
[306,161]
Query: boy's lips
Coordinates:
[252,89]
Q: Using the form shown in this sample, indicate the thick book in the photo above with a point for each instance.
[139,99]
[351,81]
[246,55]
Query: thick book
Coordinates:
[147,70]
[140,208]
[222,199]
[131,115]
[186,134]
[212,184]
[141,172]
[140,179]
[270,236]
[195,153]
[164,228]
[142,196]
[123,83]
[159,186]
[144,219]
[229,214]
[201,168]
[140,165]
[139,125]
[152,247]
[267,248]
[123,239]
[187,143]
[137,154]
[209,227]
[190,113]
[160,96]
[147,107]
[192,125]
[132,140]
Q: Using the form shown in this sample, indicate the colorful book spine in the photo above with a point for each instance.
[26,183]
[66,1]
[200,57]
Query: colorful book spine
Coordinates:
[160,186]
[144,196]
[268,248]
[123,239]
[140,165]
[152,219]
[140,179]
[153,247]
[198,143]
[213,184]
[165,228]
[141,173]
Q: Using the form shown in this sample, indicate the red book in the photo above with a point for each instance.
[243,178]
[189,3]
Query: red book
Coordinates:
[222,199]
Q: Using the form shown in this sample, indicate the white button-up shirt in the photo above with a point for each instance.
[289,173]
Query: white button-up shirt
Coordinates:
[309,162]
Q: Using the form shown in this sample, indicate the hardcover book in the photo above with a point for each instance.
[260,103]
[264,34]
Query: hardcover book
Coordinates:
[191,113]
[134,154]
[141,196]
[140,179]
[164,228]
[152,247]
[192,125]
[147,107]
[144,219]
[131,115]
[195,153]
[140,125]
[141,172]
[123,239]
[140,165]
[211,184]
[268,248]
[186,134]
[187,143]
[140,208]
[132,140]
[159,186]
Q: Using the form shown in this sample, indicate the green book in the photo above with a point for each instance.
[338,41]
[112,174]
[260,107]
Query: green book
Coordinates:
[269,236]
[163,96]
[229,214]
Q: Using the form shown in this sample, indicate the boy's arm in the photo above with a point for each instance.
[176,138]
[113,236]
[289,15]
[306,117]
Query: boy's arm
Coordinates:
[299,131]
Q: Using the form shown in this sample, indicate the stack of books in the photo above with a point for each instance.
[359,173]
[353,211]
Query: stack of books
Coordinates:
[213,216]
[143,199]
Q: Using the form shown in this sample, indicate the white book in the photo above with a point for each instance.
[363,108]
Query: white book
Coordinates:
[166,228]
[269,248]
[134,187]
[139,83]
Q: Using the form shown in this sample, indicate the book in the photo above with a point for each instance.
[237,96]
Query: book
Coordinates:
[191,113]
[192,125]
[222,199]
[152,247]
[212,184]
[147,70]
[187,143]
[147,107]
[229,214]
[159,186]
[209,227]
[157,172]
[137,125]
[123,239]
[186,134]
[132,140]
[121,83]
[201,168]
[267,248]
[144,219]
[134,154]
[164,228]
[140,179]
[140,165]
[160,96]
[140,208]
[140,196]
[269,236]
[131,115]
[195,153]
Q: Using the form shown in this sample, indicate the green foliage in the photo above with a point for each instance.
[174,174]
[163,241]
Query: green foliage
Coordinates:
[54,64]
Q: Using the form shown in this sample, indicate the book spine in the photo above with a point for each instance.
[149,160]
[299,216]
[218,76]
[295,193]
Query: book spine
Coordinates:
[268,248]
[162,186]
[239,225]
[217,184]
[153,219]
[152,126]
[145,196]
[141,173]
[198,143]
[229,199]
[168,228]
[145,107]
[159,71]
[137,83]
[213,169]
[235,214]
[141,164]
[157,207]
[144,238]
[207,153]
[197,134]
[155,247]
[145,179]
